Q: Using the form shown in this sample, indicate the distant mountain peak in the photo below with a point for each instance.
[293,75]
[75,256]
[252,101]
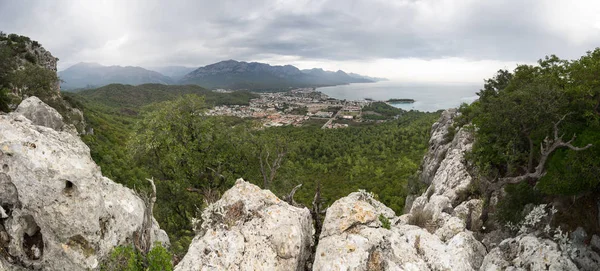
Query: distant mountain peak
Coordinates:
[235,74]
[91,75]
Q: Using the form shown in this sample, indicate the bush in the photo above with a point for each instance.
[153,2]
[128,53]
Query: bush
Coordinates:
[123,258]
[159,259]
[509,208]
[5,100]
[126,258]
[385,222]
[31,58]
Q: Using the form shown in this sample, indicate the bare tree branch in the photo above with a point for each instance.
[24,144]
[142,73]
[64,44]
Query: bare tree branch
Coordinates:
[268,167]
[143,241]
[290,197]
[546,149]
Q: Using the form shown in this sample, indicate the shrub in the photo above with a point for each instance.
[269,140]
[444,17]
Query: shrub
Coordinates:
[159,259]
[123,258]
[5,100]
[31,58]
[385,222]
[509,208]
[126,258]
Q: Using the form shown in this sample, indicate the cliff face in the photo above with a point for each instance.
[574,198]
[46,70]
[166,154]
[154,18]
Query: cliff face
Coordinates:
[57,211]
[442,230]
[24,54]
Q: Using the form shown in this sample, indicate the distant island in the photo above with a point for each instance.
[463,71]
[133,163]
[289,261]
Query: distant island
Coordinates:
[400,101]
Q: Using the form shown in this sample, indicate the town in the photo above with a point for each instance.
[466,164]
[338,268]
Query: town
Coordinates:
[299,106]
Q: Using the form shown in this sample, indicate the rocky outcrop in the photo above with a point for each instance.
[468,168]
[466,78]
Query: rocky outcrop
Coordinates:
[356,235]
[57,210]
[251,229]
[43,115]
[527,252]
[447,212]
[25,52]
[439,143]
[440,207]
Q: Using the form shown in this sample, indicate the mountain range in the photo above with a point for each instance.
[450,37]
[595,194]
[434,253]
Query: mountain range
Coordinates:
[93,75]
[229,74]
[233,74]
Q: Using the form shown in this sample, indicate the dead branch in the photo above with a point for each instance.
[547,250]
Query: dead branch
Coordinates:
[546,149]
[143,241]
[290,197]
[269,168]
[208,195]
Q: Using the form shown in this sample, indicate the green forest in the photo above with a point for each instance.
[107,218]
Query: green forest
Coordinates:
[537,134]
[194,158]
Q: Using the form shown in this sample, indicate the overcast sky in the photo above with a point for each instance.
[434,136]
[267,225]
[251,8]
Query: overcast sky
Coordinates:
[409,40]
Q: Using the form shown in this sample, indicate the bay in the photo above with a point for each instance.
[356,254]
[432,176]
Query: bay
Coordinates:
[428,97]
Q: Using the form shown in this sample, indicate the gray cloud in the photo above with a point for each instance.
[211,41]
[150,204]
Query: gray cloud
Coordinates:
[196,33]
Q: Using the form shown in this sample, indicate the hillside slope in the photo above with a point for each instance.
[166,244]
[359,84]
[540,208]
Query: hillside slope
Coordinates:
[90,75]
[128,96]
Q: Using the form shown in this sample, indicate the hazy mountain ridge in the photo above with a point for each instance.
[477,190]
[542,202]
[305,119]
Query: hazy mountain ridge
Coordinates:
[175,72]
[90,75]
[230,74]
[254,75]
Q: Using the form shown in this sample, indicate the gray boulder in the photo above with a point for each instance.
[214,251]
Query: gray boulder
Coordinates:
[354,238]
[60,213]
[42,114]
[527,252]
[251,229]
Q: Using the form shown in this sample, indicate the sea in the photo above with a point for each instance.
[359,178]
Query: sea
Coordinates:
[428,97]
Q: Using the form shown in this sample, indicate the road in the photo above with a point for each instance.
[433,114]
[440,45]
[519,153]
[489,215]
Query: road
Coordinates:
[333,117]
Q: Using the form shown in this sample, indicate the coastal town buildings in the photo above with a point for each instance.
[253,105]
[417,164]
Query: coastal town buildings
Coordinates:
[294,108]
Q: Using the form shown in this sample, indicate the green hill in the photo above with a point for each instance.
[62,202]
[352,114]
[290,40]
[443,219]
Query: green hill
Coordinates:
[134,97]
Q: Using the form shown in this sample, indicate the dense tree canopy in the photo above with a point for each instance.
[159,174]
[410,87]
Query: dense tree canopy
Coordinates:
[194,158]
[522,115]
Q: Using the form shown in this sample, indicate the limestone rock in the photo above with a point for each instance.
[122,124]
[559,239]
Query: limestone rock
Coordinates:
[438,145]
[358,208]
[251,229]
[492,239]
[62,214]
[585,258]
[353,238]
[451,228]
[470,213]
[583,255]
[450,177]
[40,113]
[527,253]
